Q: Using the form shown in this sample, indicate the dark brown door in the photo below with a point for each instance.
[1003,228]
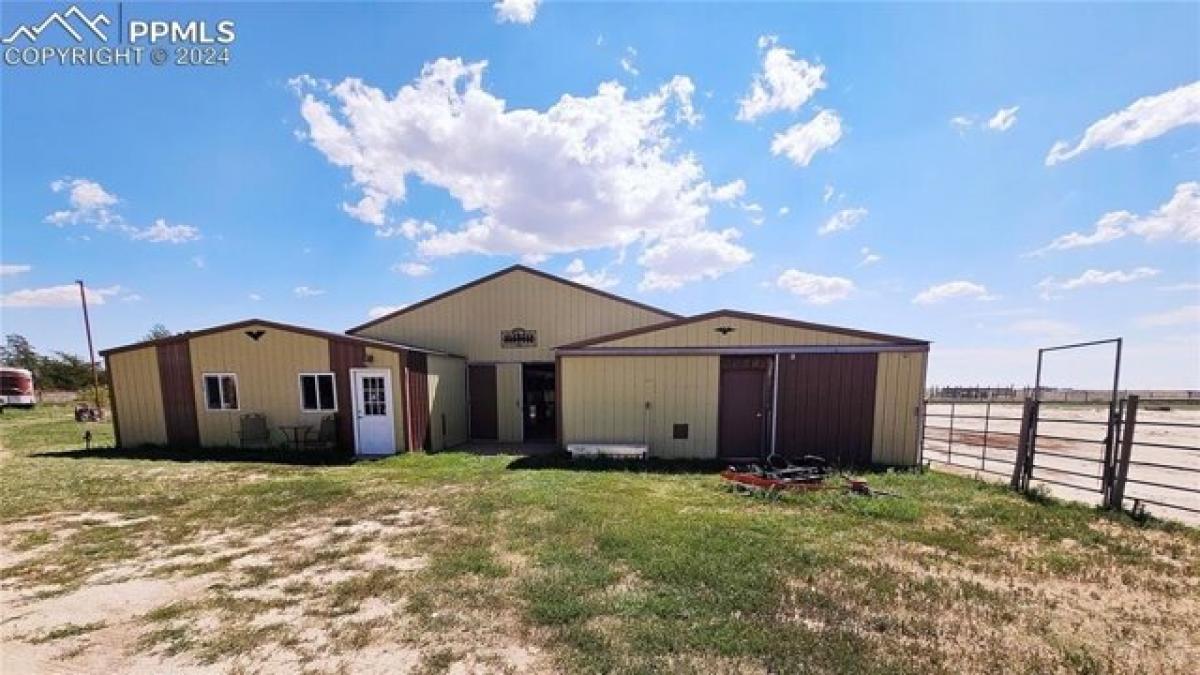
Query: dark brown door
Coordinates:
[178,396]
[826,407]
[743,408]
[481,388]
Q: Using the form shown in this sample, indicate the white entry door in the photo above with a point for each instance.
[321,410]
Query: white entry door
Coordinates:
[374,413]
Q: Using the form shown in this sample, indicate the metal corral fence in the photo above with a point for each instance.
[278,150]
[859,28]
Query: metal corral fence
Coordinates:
[1138,454]
[1014,394]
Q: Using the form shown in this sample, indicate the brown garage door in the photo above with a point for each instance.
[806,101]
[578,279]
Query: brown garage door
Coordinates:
[481,388]
[826,407]
[743,410]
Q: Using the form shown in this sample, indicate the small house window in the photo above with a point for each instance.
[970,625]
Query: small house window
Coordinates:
[317,393]
[220,391]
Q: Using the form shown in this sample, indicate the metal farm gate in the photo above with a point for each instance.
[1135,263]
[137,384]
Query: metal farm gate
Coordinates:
[1106,456]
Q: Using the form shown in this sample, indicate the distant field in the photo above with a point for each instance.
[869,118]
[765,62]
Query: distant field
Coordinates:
[462,563]
[1074,462]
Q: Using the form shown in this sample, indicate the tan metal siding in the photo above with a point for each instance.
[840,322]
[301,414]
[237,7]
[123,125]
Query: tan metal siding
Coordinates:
[268,372]
[508,402]
[447,401]
[898,382]
[135,380]
[386,358]
[746,333]
[469,322]
[605,401]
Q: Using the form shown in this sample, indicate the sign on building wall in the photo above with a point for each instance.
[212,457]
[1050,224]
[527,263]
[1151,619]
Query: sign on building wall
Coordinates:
[518,338]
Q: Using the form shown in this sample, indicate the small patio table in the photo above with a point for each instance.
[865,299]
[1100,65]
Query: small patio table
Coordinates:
[295,433]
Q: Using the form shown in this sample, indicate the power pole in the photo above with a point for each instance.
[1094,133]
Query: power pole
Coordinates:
[87,326]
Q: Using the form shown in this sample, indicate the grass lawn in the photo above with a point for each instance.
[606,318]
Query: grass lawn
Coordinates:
[428,563]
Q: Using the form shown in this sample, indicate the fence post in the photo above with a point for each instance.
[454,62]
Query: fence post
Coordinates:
[987,422]
[1117,490]
[950,438]
[1018,474]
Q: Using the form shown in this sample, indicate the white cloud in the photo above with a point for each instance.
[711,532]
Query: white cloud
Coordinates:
[785,83]
[1178,219]
[784,210]
[1145,119]
[12,270]
[1044,328]
[89,203]
[412,269]
[827,194]
[161,231]
[676,260]
[587,173]
[1004,119]
[1183,316]
[66,295]
[952,289]
[516,11]
[1092,277]
[1185,286]
[804,140]
[132,297]
[869,257]
[306,292]
[814,288]
[410,229]
[577,272]
[383,310]
[729,191]
[961,123]
[255,297]
[845,219]
[627,62]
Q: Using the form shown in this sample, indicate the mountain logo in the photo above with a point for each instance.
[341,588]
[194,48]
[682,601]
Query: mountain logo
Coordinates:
[68,21]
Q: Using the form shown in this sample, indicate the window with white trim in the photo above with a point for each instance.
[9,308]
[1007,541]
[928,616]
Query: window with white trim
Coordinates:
[317,392]
[220,391]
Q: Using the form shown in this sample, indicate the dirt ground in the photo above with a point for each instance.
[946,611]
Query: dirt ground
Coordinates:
[1075,462]
[322,590]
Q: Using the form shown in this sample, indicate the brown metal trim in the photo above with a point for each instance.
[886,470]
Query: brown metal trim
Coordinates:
[342,357]
[366,342]
[112,403]
[509,270]
[741,351]
[176,382]
[748,316]
[558,404]
[418,402]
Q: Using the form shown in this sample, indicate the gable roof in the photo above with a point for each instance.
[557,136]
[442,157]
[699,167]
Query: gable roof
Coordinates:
[735,314]
[510,270]
[328,335]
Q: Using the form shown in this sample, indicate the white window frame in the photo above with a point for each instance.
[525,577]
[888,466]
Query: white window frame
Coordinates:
[237,386]
[300,389]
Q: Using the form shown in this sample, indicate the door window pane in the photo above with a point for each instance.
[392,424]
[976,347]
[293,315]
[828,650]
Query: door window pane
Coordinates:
[374,396]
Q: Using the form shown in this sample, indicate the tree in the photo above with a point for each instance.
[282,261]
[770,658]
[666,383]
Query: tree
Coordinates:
[18,353]
[158,332]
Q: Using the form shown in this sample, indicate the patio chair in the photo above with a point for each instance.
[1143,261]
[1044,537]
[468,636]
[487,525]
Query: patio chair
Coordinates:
[254,431]
[325,437]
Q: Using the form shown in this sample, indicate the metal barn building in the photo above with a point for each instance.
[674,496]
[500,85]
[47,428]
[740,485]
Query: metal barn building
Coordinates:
[521,356]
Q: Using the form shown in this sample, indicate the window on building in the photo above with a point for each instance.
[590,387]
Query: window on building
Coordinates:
[317,393]
[220,391]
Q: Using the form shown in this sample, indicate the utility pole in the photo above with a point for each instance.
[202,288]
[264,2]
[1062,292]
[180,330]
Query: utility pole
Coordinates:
[87,326]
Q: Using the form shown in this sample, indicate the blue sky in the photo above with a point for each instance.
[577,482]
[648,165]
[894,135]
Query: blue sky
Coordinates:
[892,126]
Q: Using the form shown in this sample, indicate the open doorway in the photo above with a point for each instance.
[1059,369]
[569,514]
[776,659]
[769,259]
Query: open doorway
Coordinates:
[538,398]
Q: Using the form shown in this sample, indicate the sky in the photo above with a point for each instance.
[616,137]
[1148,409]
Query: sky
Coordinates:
[992,178]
